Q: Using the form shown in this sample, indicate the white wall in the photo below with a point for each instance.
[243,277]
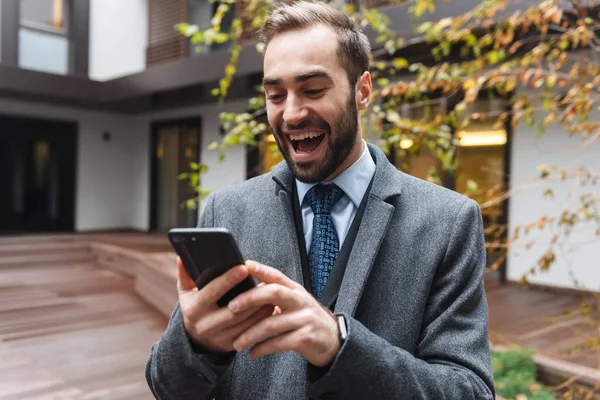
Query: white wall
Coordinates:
[111,176]
[118,38]
[220,175]
[577,258]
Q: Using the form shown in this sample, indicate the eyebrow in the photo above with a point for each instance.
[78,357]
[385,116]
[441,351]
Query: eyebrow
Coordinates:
[299,79]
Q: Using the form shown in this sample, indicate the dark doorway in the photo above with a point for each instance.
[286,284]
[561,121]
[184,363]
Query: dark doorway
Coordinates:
[37,175]
[175,145]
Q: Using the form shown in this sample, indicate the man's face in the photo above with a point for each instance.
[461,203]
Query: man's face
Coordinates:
[311,106]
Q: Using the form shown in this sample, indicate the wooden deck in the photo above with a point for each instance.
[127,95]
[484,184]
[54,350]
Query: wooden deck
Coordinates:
[72,330]
[73,324]
[547,320]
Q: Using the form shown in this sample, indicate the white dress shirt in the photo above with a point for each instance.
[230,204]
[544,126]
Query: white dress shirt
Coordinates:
[354,181]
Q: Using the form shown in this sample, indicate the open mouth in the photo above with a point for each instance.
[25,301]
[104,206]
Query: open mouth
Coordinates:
[305,143]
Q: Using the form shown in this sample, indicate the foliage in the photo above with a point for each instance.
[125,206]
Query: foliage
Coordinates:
[515,375]
[537,63]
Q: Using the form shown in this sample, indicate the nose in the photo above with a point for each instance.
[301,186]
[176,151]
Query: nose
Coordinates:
[294,111]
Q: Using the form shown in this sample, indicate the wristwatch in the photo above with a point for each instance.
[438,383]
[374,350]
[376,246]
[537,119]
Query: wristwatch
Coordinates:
[342,327]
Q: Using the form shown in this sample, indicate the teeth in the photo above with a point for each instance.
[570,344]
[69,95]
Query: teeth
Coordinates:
[307,135]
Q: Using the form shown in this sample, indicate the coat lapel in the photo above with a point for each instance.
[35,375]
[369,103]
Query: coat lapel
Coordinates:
[284,178]
[371,233]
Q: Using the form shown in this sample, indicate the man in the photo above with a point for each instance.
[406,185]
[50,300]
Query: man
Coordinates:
[371,280]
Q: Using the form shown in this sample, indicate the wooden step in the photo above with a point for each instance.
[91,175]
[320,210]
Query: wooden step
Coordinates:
[18,249]
[81,255]
[156,282]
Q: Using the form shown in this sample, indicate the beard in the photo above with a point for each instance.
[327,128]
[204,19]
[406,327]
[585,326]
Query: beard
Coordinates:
[340,141]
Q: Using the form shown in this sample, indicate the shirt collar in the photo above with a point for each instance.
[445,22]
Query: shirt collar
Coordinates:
[354,181]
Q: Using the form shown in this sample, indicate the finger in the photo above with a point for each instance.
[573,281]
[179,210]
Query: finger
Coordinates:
[218,287]
[185,284]
[236,330]
[273,294]
[274,325]
[277,344]
[269,275]
[223,319]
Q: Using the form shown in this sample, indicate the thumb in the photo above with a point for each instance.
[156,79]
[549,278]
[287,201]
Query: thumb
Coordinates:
[184,282]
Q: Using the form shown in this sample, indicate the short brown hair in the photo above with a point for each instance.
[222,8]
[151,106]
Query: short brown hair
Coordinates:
[354,49]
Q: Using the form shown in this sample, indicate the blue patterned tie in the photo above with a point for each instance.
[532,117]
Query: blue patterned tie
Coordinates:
[324,246]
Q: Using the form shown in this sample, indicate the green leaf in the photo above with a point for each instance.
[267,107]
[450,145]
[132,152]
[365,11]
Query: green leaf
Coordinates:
[472,186]
[197,37]
[191,204]
[461,107]
[383,82]
[194,166]
[390,46]
[213,146]
[221,37]
[215,92]
[400,63]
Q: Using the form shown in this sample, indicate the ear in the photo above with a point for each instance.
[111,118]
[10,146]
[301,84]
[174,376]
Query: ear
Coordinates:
[364,89]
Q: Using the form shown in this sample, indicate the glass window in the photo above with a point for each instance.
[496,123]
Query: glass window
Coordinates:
[43,36]
[47,13]
[480,158]
[43,51]
[417,158]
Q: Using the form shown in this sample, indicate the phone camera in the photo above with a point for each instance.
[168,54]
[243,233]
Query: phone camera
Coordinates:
[178,239]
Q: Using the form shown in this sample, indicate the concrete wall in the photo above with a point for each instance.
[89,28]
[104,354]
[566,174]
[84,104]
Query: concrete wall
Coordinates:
[118,38]
[578,255]
[109,174]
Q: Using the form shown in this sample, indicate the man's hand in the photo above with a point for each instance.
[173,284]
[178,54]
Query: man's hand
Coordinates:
[303,325]
[211,326]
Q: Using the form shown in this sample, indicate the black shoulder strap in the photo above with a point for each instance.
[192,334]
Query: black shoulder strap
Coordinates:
[332,287]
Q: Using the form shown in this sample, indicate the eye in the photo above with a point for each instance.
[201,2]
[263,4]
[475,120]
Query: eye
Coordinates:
[314,92]
[274,97]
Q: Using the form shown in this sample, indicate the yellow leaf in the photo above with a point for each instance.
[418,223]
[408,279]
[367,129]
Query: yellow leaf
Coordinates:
[511,84]
[469,83]
[230,69]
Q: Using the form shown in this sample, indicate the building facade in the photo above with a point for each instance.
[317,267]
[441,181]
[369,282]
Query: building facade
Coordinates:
[103,105]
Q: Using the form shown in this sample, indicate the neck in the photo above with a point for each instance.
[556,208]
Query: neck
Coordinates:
[354,155]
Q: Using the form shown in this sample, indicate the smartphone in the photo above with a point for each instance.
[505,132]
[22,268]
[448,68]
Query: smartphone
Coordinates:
[207,253]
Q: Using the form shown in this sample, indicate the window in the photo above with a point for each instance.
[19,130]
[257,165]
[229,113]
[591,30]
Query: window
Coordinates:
[480,157]
[201,13]
[418,159]
[43,36]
